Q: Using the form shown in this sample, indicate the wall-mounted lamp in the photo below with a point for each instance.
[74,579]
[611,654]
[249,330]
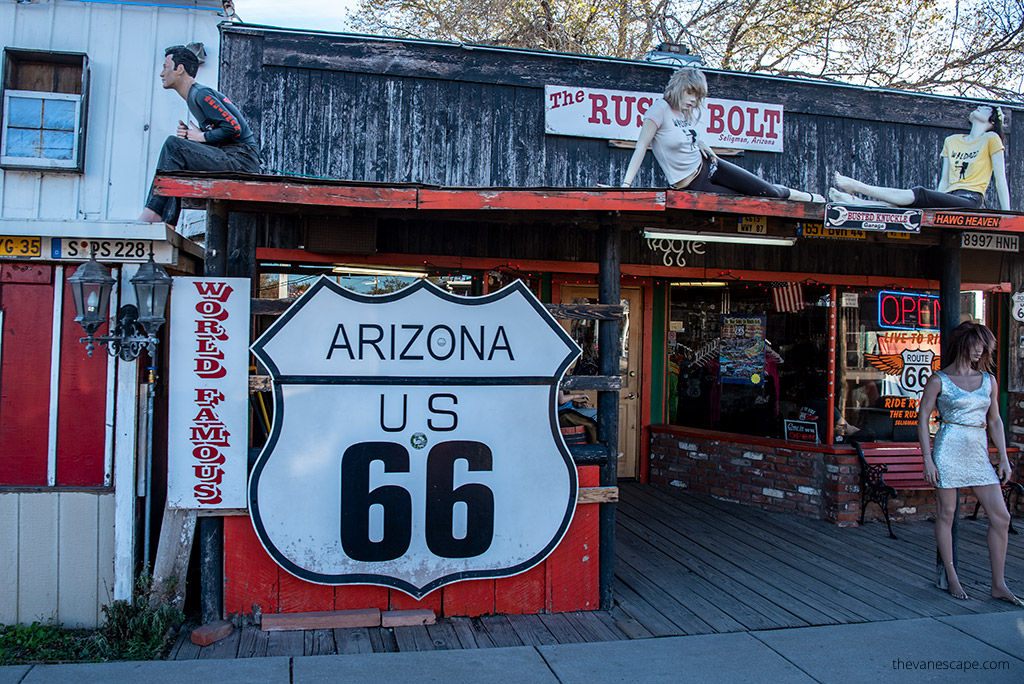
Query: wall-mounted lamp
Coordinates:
[136,326]
[691,236]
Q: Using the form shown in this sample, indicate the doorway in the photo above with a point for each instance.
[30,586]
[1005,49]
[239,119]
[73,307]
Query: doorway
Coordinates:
[630,364]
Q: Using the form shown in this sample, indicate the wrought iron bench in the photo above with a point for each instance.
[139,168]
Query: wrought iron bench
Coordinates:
[889,467]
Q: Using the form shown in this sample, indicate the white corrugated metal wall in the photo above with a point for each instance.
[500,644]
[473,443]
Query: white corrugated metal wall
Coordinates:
[60,558]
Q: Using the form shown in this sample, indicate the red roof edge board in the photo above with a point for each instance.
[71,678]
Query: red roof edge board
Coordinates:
[539,199]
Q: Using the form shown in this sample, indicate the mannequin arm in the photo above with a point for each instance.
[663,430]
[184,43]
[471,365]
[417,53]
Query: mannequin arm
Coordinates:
[647,132]
[944,176]
[999,175]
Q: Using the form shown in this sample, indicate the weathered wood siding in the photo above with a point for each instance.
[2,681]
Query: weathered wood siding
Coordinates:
[402,111]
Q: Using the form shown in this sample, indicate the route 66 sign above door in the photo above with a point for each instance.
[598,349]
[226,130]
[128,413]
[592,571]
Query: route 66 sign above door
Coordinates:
[1017,309]
[415,439]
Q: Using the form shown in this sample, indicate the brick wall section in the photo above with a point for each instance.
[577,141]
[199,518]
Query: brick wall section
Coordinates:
[822,483]
[771,474]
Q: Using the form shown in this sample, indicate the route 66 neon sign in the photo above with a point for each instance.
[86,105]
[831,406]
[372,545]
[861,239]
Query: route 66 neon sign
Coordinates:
[415,441]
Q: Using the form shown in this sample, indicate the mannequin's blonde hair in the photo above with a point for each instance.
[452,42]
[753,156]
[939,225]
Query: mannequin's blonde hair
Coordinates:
[683,80]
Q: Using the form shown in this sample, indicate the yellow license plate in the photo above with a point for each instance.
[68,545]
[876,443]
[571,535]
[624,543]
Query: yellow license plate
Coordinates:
[12,246]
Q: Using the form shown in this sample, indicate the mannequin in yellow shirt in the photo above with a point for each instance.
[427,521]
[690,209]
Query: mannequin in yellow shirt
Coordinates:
[969,162]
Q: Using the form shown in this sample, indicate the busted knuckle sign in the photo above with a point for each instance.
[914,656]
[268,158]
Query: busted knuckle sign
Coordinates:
[415,440]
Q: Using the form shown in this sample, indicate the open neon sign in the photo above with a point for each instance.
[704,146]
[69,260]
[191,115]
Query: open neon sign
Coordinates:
[908,310]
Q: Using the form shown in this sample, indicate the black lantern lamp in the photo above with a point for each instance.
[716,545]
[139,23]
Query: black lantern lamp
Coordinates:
[136,326]
[90,288]
[152,286]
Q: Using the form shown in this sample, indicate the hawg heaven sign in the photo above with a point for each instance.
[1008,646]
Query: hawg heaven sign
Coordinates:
[415,440]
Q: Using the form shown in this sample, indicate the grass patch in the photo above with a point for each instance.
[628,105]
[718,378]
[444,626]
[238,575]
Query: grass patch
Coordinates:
[134,630]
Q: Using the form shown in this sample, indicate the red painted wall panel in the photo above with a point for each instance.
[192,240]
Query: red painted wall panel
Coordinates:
[566,581]
[81,407]
[250,575]
[24,381]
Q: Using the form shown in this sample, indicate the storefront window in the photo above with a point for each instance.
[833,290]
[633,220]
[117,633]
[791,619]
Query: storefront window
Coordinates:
[887,346]
[745,357]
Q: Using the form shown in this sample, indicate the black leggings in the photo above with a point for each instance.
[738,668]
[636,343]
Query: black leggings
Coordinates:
[958,199]
[725,178]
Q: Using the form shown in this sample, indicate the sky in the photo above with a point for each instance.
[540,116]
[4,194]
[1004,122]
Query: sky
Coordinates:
[321,15]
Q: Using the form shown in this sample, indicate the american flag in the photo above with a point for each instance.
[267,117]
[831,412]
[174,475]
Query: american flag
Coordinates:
[788,297]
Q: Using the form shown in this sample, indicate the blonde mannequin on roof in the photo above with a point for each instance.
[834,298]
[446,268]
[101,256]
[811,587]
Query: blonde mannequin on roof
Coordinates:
[671,129]
[969,162]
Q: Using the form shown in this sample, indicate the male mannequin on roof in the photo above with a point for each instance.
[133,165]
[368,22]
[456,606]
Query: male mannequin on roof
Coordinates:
[222,141]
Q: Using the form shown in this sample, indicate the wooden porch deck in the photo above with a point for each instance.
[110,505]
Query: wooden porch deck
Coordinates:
[694,565]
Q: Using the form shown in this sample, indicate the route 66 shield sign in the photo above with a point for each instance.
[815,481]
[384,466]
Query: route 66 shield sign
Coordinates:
[415,440]
[1018,306]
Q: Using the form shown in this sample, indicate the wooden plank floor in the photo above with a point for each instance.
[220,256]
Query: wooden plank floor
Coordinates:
[689,564]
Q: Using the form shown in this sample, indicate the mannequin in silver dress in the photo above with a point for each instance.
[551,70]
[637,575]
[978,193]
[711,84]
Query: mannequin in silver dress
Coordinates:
[968,401]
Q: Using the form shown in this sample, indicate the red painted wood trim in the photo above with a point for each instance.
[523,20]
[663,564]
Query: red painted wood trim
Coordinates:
[250,575]
[25,382]
[287,193]
[646,386]
[522,594]
[432,601]
[590,268]
[743,204]
[470,598]
[356,596]
[542,200]
[734,438]
[830,423]
[571,580]
[81,404]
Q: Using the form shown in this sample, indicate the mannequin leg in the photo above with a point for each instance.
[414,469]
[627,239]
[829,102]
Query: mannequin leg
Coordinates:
[945,500]
[897,196]
[991,499]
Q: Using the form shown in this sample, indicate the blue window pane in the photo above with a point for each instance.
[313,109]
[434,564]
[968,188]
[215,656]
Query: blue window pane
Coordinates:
[25,112]
[58,144]
[59,115]
[22,143]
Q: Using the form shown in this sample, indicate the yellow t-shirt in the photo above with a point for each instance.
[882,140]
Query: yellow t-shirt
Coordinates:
[970,163]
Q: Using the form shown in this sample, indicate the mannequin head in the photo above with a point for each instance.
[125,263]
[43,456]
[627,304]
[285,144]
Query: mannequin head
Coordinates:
[973,342]
[181,56]
[686,89]
[990,115]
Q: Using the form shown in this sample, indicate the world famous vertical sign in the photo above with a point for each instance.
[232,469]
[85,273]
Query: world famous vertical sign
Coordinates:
[415,438]
[208,420]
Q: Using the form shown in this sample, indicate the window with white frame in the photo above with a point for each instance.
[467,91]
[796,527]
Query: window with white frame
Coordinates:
[44,102]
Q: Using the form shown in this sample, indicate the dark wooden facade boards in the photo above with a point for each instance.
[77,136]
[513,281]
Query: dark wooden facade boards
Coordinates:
[394,111]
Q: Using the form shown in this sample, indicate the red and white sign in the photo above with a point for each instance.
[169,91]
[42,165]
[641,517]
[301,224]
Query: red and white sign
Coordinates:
[208,392]
[619,114]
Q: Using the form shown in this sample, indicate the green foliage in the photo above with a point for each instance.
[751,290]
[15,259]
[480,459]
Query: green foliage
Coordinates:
[134,631]
[138,630]
[46,643]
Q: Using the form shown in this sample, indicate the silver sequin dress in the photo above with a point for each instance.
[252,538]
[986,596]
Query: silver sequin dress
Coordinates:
[961,452]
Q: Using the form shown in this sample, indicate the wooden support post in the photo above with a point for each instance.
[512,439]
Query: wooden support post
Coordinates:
[608,292]
[949,301]
[211,530]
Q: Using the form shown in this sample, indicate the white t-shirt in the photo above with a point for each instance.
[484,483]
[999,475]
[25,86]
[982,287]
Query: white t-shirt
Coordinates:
[675,142]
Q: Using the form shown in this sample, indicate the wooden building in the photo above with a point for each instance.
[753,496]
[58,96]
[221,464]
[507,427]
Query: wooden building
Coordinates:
[68,466]
[434,159]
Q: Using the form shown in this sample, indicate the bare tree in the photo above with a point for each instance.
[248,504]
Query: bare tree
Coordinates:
[963,47]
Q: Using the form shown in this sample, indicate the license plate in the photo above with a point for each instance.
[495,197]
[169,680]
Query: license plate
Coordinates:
[13,246]
[119,250]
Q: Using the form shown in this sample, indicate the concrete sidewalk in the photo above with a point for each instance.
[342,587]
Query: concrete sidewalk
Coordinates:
[972,648]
